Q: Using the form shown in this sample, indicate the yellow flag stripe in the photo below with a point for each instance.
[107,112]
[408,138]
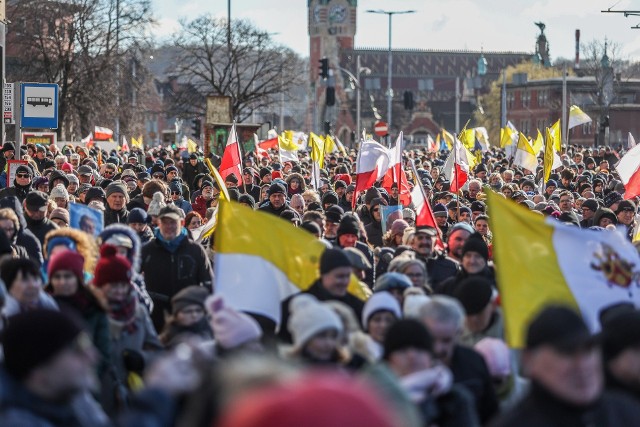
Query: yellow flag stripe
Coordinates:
[527,269]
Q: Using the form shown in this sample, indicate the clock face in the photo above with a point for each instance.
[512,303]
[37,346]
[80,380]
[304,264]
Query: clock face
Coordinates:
[337,13]
[316,13]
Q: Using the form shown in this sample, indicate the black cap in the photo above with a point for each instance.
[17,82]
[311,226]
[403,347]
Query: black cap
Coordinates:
[8,146]
[334,214]
[626,205]
[474,293]
[620,332]
[407,333]
[36,200]
[332,259]
[478,206]
[277,188]
[559,327]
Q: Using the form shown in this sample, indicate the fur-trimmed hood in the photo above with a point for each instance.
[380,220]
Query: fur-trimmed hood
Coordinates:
[85,245]
[134,253]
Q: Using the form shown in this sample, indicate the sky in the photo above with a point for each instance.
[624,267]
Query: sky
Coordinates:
[492,25]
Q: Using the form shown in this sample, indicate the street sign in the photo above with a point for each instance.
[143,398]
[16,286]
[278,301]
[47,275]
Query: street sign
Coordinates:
[381,129]
[7,104]
[39,106]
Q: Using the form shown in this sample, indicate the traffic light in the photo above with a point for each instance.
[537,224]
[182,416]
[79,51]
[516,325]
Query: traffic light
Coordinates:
[327,128]
[196,126]
[408,100]
[324,68]
[331,96]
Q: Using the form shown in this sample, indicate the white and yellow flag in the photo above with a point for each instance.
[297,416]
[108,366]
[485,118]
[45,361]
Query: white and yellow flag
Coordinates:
[557,263]
[577,117]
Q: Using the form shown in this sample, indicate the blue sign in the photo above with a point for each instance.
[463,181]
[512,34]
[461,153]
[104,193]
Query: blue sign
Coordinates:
[38,106]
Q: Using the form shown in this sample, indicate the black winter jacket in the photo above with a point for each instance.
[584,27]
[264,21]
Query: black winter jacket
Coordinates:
[167,273]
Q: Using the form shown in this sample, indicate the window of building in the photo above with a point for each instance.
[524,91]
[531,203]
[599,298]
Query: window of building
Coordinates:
[587,128]
[541,124]
[372,83]
[510,99]
[425,84]
[543,96]
[526,98]
[525,127]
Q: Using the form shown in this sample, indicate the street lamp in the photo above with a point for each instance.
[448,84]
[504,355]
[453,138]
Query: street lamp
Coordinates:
[355,84]
[390,13]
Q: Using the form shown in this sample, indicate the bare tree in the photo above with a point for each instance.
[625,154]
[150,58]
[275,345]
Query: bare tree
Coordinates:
[87,48]
[250,67]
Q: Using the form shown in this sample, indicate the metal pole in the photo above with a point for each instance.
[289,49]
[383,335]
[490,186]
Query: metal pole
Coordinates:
[564,104]
[503,100]
[457,105]
[389,90]
[17,113]
[229,25]
[117,129]
[358,100]
[3,46]
[281,104]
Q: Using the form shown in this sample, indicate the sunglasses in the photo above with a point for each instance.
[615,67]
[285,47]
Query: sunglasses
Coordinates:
[375,210]
[23,175]
[175,193]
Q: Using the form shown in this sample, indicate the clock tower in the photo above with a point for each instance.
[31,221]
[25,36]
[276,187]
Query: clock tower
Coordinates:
[332,28]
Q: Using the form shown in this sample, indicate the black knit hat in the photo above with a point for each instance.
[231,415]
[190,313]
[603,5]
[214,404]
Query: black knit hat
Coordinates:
[330,197]
[474,293]
[248,199]
[33,338]
[348,225]
[475,243]
[231,178]
[559,327]
[277,188]
[334,214]
[332,259]
[407,333]
[95,193]
[620,332]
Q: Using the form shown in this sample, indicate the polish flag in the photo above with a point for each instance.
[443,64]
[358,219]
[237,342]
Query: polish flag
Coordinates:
[260,152]
[629,170]
[231,158]
[397,175]
[456,168]
[431,145]
[424,213]
[372,164]
[102,134]
[125,144]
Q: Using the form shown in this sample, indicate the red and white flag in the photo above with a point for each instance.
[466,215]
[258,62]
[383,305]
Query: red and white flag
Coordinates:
[431,145]
[456,168]
[424,213]
[372,164]
[396,174]
[88,141]
[231,158]
[102,134]
[125,144]
[629,170]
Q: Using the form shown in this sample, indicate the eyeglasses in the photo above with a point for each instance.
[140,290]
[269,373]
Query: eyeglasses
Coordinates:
[176,193]
[23,175]
[375,210]
[109,172]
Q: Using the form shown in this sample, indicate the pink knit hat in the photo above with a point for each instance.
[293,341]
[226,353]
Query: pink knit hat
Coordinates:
[496,355]
[231,328]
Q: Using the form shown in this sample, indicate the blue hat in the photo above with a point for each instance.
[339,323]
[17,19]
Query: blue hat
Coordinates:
[439,210]
[138,215]
[551,183]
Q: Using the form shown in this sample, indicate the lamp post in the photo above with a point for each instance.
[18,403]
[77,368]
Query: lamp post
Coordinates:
[390,13]
[355,84]
[482,70]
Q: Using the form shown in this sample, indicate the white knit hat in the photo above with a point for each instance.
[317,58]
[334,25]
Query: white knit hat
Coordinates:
[412,304]
[309,317]
[231,328]
[380,301]
[156,204]
[59,191]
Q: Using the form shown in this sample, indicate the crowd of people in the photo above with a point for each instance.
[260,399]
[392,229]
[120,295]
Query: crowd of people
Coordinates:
[119,324]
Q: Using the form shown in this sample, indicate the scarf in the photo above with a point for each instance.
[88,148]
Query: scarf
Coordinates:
[124,312]
[82,300]
[170,245]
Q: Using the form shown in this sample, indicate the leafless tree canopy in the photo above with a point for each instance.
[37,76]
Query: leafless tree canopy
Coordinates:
[252,69]
[89,48]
